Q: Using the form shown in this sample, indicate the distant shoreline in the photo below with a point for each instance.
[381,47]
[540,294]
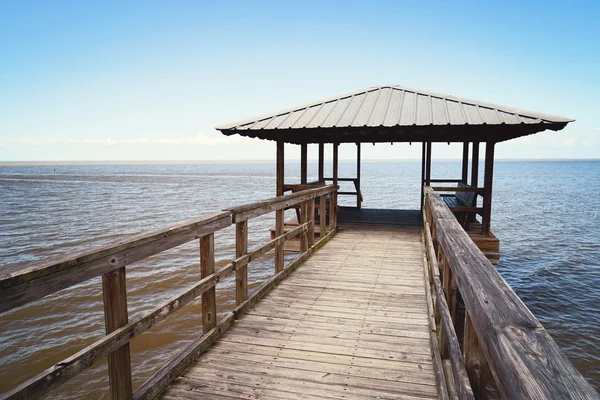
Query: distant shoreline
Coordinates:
[206,162]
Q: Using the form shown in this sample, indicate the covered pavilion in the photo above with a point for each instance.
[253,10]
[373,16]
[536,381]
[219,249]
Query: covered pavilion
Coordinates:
[391,114]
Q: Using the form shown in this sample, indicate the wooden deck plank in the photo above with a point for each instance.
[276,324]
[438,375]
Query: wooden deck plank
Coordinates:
[351,322]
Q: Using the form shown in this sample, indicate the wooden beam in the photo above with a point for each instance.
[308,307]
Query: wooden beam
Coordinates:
[280,168]
[475,362]
[321,161]
[428,165]
[40,279]
[487,188]
[207,267]
[335,163]
[357,181]
[322,217]
[303,163]
[475,165]
[423,146]
[465,162]
[241,273]
[114,289]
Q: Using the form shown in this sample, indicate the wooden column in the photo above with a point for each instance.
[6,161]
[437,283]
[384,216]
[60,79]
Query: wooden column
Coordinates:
[465,163]
[279,214]
[322,215]
[321,161]
[428,165]
[333,215]
[475,165]
[207,267]
[280,168]
[241,274]
[423,146]
[303,163]
[335,163]
[303,219]
[310,217]
[358,199]
[475,362]
[114,289]
[487,187]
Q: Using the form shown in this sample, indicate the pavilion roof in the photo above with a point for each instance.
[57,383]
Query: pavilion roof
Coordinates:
[392,113]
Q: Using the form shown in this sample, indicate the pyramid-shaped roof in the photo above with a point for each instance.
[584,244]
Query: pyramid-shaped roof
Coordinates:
[395,113]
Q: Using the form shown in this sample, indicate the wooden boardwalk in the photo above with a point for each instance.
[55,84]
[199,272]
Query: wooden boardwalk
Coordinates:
[349,323]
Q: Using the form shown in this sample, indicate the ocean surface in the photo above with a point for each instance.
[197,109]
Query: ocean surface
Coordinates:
[546,214]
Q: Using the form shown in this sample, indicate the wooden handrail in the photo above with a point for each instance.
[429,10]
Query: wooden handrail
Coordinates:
[524,360]
[63,272]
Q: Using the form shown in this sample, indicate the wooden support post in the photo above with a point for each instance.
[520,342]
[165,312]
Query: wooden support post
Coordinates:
[114,289]
[310,211]
[475,362]
[335,163]
[303,163]
[241,274]
[487,187]
[465,162]
[303,219]
[321,162]
[358,195]
[322,221]
[207,267]
[475,165]
[279,214]
[428,165]
[423,146]
[280,169]
[331,210]
[441,334]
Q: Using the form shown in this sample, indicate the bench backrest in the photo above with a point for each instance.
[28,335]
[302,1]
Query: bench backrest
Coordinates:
[465,198]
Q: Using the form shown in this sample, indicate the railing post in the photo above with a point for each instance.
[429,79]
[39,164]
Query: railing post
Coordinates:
[311,218]
[335,209]
[475,362]
[443,273]
[279,230]
[303,219]
[331,207]
[114,288]
[241,274]
[207,267]
[322,222]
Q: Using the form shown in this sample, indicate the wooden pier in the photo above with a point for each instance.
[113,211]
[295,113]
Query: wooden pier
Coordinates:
[379,304]
[351,323]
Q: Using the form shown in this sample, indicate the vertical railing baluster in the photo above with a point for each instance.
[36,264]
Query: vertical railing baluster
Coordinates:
[279,230]
[331,207]
[311,218]
[304,218]
[114,289]
[475,362]
[241,273]
[207,267]
[322,212]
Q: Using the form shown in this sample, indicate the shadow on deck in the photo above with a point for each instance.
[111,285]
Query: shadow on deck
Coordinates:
[490,245]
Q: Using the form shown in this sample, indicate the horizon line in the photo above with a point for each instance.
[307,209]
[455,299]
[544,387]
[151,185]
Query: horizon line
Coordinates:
[259,161]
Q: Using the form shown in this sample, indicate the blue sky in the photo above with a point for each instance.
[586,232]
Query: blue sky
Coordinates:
[149,80]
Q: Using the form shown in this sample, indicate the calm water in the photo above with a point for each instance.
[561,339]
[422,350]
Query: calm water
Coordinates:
[545,213]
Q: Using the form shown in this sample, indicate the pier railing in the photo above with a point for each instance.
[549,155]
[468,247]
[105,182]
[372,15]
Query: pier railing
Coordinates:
[33,282]
[500,334]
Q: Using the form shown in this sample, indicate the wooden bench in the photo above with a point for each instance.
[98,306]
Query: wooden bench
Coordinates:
[458,200]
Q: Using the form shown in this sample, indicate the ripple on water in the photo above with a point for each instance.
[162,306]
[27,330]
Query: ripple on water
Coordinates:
[550,250]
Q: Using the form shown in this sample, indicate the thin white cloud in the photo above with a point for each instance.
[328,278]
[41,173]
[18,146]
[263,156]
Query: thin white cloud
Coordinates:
[199,140]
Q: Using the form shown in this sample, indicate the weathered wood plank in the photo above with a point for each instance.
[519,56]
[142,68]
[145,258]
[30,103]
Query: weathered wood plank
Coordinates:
[37,280]
[525,361]
[114,290]
[241,272]
[207,268]
[83,359]
[252,210]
